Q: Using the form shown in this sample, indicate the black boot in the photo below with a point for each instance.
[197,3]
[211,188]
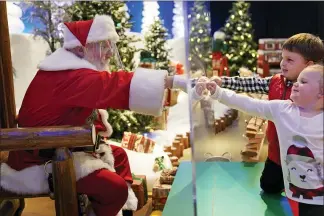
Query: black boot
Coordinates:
[127,213]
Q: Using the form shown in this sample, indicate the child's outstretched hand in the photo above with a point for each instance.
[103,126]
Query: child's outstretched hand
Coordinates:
[201,85]
[217,79]
[211,86]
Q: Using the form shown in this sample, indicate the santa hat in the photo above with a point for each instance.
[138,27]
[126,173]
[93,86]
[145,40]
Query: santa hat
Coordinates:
[300,153]
[79,33]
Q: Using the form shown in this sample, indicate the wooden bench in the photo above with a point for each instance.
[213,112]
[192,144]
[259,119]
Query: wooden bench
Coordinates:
[62,139]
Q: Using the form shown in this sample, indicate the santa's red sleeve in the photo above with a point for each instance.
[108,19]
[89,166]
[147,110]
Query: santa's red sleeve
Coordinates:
[141,91]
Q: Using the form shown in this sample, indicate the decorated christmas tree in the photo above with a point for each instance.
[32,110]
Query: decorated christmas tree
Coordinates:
[155,42]
[84,10]
[242,49]
[121,120]
[200,37]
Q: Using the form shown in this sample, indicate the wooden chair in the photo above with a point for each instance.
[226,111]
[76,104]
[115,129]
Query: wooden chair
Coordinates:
[62,139]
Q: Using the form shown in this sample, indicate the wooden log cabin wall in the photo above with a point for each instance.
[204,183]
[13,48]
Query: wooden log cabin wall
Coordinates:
[7,98]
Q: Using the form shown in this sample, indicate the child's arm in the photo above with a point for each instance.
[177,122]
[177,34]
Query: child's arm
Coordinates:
[246,84]
[261,108]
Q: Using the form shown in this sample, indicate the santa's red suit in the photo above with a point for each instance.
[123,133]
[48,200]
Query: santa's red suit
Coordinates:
[65,91]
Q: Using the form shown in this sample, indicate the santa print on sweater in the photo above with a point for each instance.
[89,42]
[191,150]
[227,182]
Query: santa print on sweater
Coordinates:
[304,172]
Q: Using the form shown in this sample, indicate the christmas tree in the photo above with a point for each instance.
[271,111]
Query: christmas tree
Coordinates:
[200,37]
[84,10]
[121,120]
[242,49]
[155,42]
[50,14]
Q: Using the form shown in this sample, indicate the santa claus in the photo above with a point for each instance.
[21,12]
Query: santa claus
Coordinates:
[73,86]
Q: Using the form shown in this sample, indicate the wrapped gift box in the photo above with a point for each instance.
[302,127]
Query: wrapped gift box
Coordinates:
[171,97]
[161,121]
[137,142]
[139,187]
[160,193]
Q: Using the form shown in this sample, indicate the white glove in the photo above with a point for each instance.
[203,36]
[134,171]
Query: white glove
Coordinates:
[180,81]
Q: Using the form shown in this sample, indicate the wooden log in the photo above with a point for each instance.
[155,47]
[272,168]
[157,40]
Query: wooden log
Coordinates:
[181,149]
[180,135]
[189,141]
[46,138]
[252,145]
[249,152]
[174,151]
[176,164]
[259,122]
[255,140]
[185,142]
[64,180]
[250,134]
[168,149]
[174,159]
[252,127]
[7,92]
[169,154]
[259,134]
[176,144]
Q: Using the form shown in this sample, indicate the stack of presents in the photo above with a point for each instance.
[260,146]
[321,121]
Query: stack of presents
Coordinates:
[255,134]
[162,186]
[160,191]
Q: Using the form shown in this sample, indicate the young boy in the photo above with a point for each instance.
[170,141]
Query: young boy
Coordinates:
[300,131]
[298,52]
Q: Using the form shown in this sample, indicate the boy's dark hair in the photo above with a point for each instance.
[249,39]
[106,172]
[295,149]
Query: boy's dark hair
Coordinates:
[309,46]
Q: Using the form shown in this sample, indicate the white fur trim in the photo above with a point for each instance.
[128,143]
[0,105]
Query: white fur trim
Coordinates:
[131,203]
[103,28]
[33,180]
[180,81]
[62,59]
[219,35]
[70,41]
[104,118]
[104,152]
[146,94]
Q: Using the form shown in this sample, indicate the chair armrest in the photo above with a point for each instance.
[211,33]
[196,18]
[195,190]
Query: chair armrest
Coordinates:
[14,139]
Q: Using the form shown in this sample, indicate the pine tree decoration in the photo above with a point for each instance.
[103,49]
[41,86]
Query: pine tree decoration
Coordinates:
[84,10]
[242,49]
[200,37]
[155,42]
[120,120]
[50,14]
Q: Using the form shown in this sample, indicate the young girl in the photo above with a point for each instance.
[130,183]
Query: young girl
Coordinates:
[299,123]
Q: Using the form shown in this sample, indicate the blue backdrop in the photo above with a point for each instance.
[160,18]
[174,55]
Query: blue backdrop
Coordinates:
[135,10]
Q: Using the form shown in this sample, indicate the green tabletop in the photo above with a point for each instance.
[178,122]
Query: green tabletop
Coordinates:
[223,189]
